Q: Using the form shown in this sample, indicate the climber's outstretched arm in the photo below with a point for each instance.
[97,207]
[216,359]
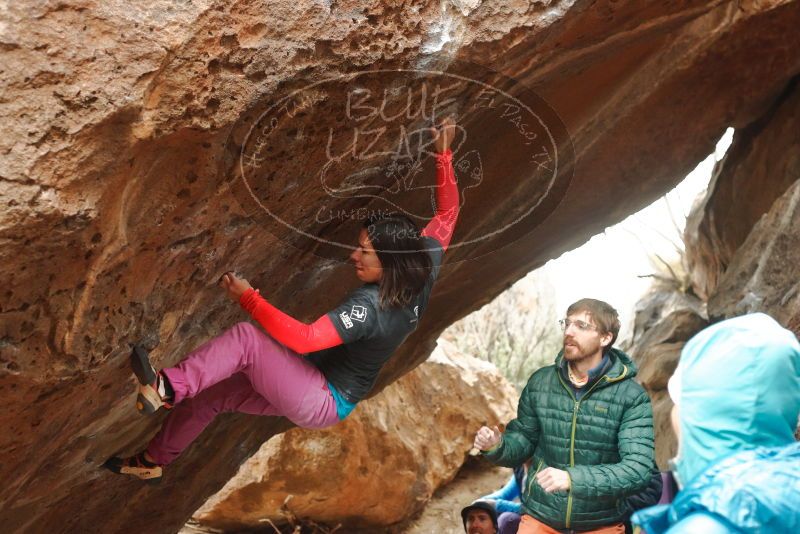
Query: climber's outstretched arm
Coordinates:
[443,224]
[298,336]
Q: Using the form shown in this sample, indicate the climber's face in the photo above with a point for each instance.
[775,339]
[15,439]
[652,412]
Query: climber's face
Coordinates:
[365,259]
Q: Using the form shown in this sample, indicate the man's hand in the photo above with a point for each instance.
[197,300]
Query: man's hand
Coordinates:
[552,479]
[486,438]
[233,285]
[444,134]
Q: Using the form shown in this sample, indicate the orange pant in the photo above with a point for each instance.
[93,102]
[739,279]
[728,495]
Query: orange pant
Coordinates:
[529,525]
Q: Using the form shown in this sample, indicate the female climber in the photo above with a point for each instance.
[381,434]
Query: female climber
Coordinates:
[312,374]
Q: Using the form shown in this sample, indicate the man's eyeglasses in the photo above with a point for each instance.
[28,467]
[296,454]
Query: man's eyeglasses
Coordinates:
[580,325]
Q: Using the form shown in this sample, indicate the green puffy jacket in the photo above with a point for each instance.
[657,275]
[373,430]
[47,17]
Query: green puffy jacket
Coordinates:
[604,441]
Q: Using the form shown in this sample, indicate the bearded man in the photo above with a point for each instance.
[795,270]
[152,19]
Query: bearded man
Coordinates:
[587,425]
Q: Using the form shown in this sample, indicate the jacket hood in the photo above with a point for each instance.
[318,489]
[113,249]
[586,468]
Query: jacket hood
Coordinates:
[738,388]
[621,368]
[622,365]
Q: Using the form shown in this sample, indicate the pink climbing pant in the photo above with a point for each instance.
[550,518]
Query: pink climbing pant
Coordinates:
[242,370]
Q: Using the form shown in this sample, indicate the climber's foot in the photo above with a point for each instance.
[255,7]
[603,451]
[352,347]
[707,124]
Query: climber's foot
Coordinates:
[153,387]
[137,466]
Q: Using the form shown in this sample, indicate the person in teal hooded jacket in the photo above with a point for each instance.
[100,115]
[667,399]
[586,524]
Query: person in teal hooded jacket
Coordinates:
[737,399]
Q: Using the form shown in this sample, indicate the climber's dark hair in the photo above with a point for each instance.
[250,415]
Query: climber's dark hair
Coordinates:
[405,261]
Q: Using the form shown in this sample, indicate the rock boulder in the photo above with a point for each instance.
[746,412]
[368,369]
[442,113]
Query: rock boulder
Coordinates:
[665,321]
[379,466]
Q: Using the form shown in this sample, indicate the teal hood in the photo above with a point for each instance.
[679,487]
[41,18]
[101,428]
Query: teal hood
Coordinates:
[738,387]
[757,492]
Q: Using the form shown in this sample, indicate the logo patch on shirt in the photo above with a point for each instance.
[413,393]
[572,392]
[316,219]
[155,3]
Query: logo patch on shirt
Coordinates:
[416,311]
[346,320]
[358,313]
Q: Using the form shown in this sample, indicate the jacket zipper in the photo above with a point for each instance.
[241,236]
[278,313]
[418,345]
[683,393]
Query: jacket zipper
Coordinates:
[574,426]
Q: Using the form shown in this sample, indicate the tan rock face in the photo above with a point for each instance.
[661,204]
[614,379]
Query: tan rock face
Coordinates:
[759,167]
[754,268]
[742,242]
[665,321]
[118,210]
[380,465]
[763,274]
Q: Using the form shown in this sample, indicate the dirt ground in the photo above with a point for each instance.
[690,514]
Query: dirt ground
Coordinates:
[443,513]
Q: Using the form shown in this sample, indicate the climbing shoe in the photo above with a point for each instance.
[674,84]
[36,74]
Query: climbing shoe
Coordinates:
[136,466]
[155,390]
